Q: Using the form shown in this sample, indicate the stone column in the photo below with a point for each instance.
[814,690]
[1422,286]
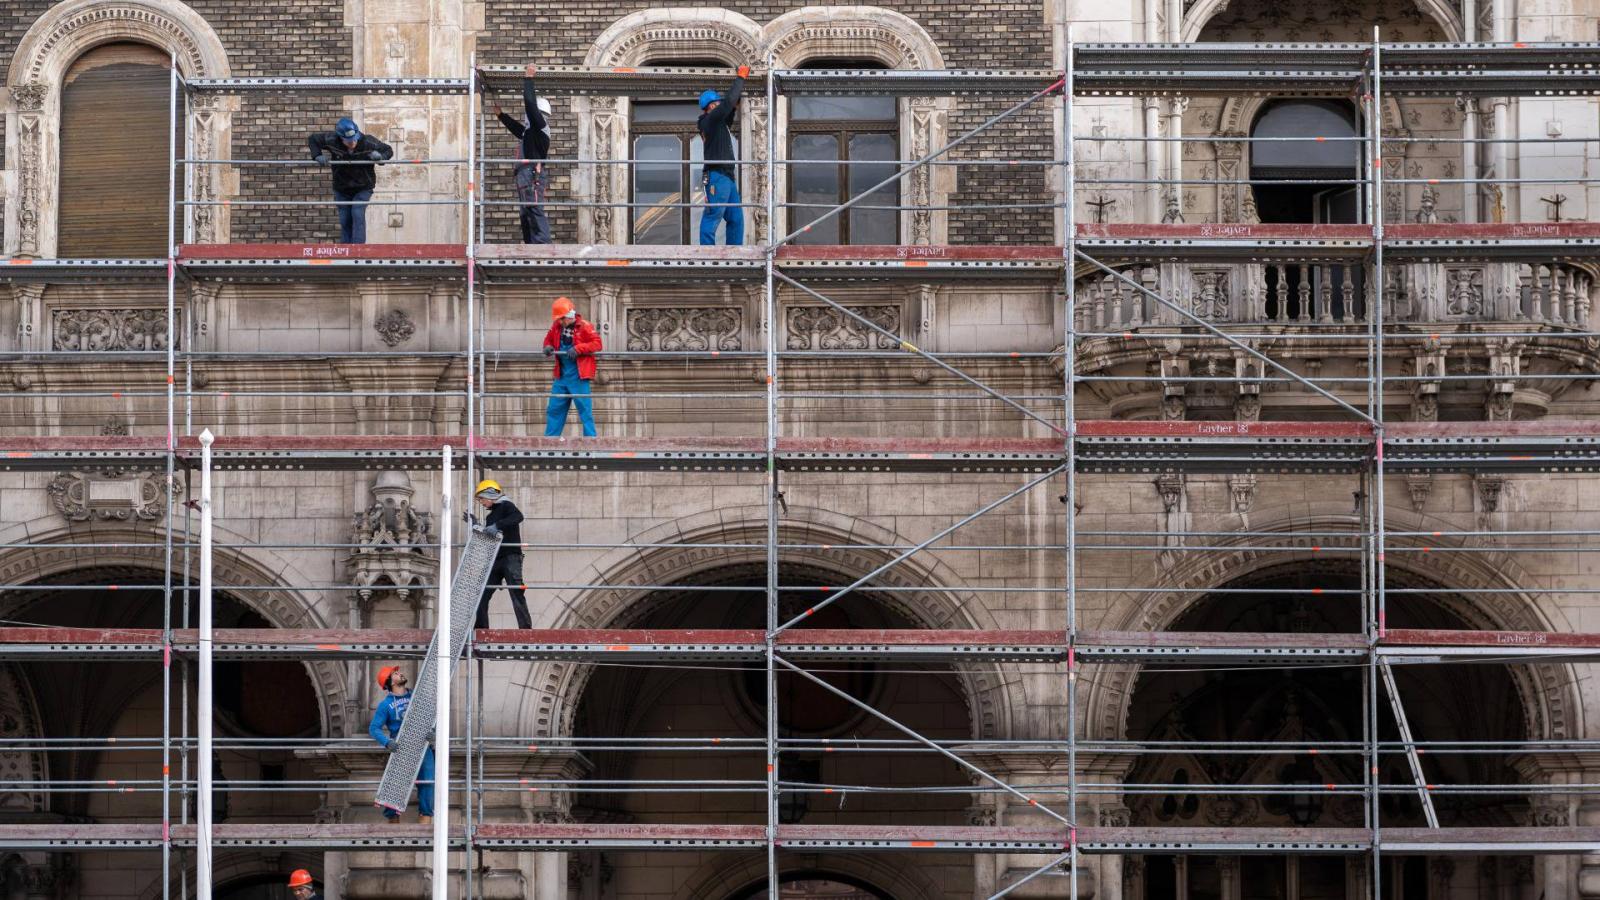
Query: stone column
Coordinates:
[1044,769]
[415,39]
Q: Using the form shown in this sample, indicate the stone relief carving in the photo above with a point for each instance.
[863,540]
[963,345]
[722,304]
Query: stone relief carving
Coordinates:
[680,328]
[111,496]
[18,764]
[394,327]
[391,535]
[1464,291]
[108,329]
[1210,299]
[825,328]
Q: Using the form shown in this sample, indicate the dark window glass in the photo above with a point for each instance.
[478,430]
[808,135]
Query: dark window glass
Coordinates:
[842,147]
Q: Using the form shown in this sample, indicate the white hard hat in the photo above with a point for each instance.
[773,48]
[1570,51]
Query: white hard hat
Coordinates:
[543,104]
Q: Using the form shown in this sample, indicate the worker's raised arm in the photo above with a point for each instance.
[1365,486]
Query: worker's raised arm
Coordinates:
[530,100]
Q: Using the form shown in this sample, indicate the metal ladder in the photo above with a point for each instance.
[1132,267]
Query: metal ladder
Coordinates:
[1412,755]
[416,729]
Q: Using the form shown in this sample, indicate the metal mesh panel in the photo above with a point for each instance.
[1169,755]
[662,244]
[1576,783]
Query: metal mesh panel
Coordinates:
[416,729]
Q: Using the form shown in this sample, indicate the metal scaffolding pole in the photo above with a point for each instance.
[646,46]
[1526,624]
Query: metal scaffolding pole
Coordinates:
[1069,403]
[773,613]
[171,463]
[1375,375]
[203,881]
[445,649]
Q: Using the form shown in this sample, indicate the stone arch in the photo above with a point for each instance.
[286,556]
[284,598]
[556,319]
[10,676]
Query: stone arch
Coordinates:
[555,689]
[231,866]
[604,132]
[898,875]
[19,718]
[895,41]
[1548,692]
[139,549]
[1199,15]
[33,104]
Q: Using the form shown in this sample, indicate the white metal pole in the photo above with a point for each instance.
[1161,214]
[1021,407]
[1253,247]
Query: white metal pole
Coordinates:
[441,720]
[203,728]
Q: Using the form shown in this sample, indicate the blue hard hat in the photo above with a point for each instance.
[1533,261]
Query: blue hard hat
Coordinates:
[347,129]
[708,97]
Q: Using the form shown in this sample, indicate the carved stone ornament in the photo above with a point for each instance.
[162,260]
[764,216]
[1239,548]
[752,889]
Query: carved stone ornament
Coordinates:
[110,496]
[30,97]
[109,329]
[392,539]
[685,328]
[825,328]
[395,327]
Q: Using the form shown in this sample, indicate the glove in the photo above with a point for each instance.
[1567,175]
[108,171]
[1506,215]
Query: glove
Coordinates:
[389,747]
[492,530]
[323,158]
[375,156]
[570,354]
[744,71]
[549,350]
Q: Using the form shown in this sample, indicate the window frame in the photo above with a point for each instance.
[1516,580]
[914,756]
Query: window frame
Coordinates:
[687,163]
[841,130]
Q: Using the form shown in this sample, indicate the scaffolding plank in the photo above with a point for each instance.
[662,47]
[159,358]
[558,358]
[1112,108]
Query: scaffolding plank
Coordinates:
[29,270]
[620,837]
[416,729]
[1240,242]
[1217,646]
[322,262]
[678,82]
[1450,645]
[1539,241]
[942,263]
[65,836]
[319,837]
[1158,840]
[1206,447]
[916,82]
[623,263]
[1541,445]
[355,87]
[48,453]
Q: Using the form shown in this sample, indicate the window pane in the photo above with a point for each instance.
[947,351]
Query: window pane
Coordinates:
[1311,119]
[815,185]
[873,226]
[671,112]
[856,109]
[658,178]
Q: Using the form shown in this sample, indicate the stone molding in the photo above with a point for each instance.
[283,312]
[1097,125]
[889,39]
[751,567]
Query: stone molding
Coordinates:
[106,496]
[672,328]
[33,110]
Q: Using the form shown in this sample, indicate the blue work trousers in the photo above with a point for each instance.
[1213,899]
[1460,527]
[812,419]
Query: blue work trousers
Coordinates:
[352,216]
[424,789]
[722,202]
[563,394]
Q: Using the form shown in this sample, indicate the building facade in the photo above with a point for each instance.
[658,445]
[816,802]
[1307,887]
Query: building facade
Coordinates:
[1473,337]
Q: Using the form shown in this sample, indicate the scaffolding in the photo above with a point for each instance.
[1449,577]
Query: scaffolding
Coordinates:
[1357,440]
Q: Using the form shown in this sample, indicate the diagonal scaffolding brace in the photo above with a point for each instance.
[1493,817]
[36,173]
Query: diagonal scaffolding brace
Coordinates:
[902,173]
[933,745]
[1223,334]
[915,550]
[907,345]
[1045,869]
[1413,756]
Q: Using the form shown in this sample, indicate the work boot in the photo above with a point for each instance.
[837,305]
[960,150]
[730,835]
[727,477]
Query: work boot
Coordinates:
[424,820]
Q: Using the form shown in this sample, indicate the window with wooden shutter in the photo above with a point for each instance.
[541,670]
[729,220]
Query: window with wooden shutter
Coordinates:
[114,118]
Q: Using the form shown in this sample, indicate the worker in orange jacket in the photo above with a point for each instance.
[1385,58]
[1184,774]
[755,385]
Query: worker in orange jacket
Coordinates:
[300,886]
[573,342]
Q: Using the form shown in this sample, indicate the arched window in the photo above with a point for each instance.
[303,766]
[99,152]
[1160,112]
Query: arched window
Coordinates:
[1323,163]
[114,134]
[813,886]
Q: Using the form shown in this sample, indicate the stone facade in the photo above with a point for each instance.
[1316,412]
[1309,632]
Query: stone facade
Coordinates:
[335,549]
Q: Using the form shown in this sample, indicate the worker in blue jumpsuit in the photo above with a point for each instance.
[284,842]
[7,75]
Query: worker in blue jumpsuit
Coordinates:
[385,728]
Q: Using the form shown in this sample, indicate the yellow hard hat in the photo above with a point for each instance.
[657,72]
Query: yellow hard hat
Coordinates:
[488,484]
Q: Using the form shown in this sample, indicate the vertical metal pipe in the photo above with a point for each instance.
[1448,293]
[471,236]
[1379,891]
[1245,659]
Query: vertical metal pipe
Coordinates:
[1069,228]
[171,464]
[442,646]
[471,293]
[203,713]
[474,161]
[770,298]
[1375,378]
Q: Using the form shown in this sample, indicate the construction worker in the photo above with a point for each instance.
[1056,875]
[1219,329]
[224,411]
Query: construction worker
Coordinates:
[352,155]
[534,133]
[721,178]
[503,518]
[573,342]
[300,886]
[385,728]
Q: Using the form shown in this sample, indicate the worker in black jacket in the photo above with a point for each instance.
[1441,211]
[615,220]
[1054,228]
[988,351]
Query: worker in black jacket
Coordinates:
[721,178]
[352,155]
[505,520]
[534,132]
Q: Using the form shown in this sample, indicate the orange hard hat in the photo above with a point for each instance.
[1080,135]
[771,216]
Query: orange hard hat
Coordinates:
[560,308]
[384,674]
[299,878]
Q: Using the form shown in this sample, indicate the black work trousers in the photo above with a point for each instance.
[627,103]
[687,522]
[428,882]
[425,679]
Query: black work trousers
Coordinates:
[507,570]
